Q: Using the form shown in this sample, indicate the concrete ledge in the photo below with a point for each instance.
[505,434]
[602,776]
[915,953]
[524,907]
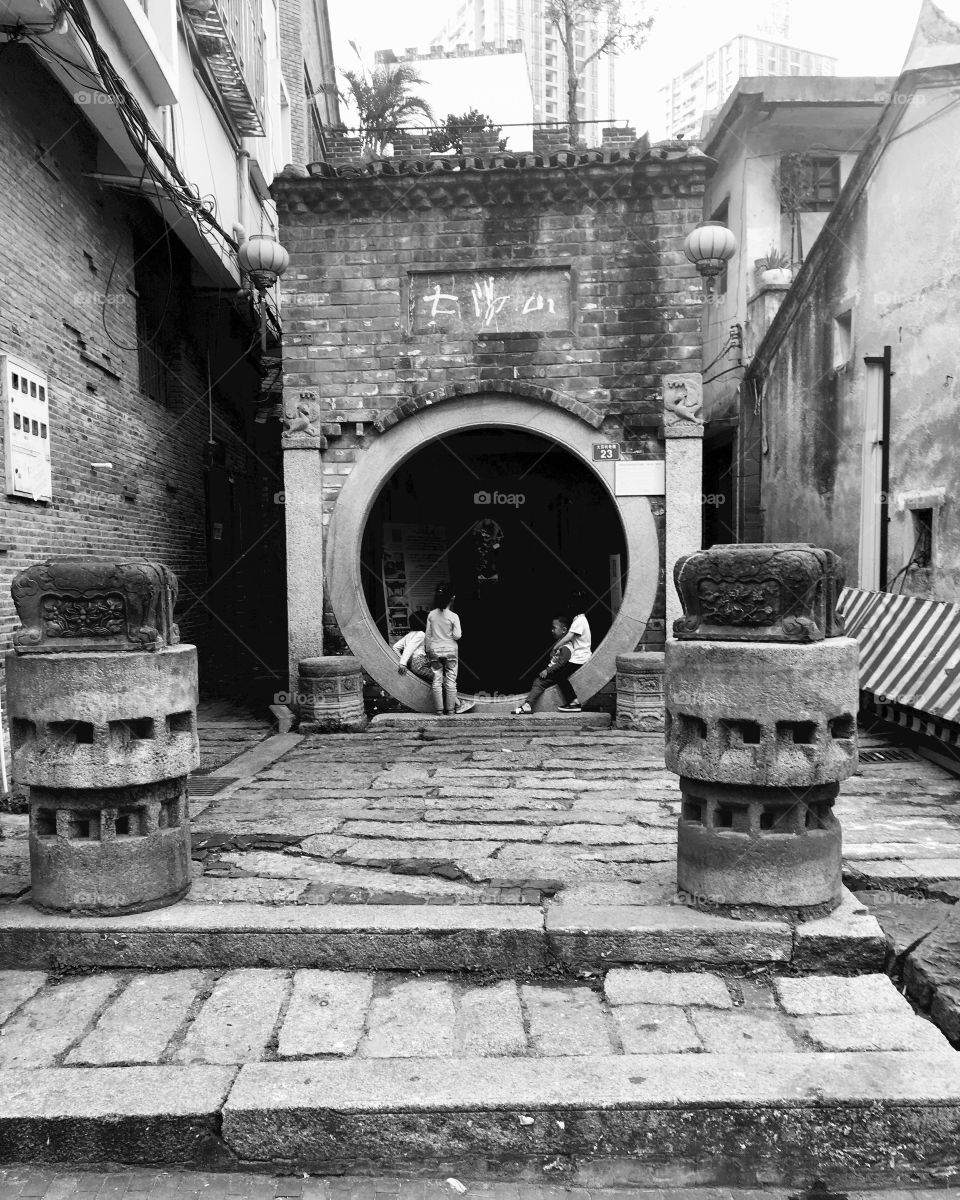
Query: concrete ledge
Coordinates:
[384,937]
[857,1117]
[114,1114]
[586,936]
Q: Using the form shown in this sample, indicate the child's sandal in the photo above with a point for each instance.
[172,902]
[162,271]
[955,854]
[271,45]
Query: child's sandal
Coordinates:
[524,710]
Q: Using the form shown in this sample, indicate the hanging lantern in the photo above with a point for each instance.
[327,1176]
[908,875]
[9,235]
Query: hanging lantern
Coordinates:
[710,247]
[264,260]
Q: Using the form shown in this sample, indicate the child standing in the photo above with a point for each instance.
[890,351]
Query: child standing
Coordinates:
[558,667]
[440,644]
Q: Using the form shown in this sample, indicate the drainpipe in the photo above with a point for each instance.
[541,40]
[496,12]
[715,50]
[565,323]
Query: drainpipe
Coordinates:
[243,187]
[884,362]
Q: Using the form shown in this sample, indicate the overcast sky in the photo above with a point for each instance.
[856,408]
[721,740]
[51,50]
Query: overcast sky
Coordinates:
[868,37]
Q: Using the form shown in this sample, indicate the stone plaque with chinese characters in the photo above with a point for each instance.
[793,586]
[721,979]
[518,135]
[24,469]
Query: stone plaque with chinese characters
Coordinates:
[496,301]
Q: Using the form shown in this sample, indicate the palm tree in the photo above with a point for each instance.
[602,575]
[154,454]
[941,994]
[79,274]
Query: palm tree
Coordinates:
[382,99]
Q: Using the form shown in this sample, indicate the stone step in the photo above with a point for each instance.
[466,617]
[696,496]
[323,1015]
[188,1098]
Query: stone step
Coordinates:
[651,1077]
[500,939]
[474,724]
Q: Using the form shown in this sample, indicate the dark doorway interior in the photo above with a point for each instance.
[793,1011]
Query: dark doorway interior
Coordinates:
[717,498]
[516,523]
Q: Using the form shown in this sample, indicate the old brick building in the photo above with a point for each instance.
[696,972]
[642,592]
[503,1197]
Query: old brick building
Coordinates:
[99,310]
[490,375]
[137,408]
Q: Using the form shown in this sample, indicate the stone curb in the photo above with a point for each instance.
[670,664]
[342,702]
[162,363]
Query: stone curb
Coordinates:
[114,1114]
[384,937]
[504,940]
[264,754]
[854,1118]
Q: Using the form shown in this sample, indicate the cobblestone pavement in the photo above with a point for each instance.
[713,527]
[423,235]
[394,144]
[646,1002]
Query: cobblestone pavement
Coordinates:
[467,815]
[258,1015]
[513,816]
[31,1183]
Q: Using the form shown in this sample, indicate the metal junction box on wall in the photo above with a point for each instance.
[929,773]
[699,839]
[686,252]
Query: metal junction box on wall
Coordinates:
[26,433]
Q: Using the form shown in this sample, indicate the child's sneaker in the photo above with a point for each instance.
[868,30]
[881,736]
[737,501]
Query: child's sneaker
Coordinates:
[570,708]
[464,706]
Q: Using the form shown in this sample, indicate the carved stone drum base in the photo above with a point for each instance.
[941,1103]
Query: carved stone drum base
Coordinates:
[97,852]
[330,696]
[759,848]
[640,692]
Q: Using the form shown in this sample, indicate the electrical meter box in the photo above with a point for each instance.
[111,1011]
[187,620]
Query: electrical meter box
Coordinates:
[26,429]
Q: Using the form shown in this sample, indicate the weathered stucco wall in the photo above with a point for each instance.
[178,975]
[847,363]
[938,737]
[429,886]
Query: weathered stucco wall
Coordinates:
[894,264]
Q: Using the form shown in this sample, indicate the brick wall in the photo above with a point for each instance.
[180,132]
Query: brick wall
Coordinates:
[619,225]
[291,65]
[67,307]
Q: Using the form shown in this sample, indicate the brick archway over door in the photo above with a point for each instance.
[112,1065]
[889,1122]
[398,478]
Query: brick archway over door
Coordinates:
[483,411]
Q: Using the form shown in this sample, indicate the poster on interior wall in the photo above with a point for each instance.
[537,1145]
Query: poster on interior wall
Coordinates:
[414,562]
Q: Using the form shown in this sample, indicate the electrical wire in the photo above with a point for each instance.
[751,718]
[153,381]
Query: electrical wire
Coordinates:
[720,374]
[726,347]
[160,164]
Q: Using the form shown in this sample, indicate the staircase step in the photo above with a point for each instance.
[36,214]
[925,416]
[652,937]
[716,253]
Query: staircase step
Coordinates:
[855,1120]
[501,939]
[474,723]
[648,1077]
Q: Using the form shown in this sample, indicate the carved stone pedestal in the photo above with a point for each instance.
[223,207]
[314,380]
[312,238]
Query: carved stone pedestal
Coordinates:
[102,702]
[761,702]
[640,692]
[330,695]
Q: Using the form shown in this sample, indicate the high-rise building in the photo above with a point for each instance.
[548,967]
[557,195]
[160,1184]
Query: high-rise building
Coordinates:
[495,22]
[705,85]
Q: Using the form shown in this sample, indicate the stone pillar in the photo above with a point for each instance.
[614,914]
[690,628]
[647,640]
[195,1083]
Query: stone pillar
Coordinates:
[761,699]
[330,695]
[683,452]
[303,512]
[640,692]
[102,702]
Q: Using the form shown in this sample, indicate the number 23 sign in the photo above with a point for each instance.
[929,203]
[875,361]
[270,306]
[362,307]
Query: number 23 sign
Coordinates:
[606,451]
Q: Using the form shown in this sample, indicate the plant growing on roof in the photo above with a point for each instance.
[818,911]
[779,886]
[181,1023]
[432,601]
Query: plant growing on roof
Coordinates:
[450,135]
[383,100]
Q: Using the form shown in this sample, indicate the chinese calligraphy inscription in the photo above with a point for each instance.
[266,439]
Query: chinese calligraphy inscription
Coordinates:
[496,301]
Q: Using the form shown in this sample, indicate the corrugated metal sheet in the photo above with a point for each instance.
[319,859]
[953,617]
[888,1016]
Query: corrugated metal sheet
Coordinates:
[909,649]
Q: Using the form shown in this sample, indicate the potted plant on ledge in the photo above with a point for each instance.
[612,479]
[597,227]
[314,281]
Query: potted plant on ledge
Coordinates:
[774,268]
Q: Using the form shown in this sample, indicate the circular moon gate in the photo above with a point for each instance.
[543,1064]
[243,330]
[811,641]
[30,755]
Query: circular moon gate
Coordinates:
[374,468]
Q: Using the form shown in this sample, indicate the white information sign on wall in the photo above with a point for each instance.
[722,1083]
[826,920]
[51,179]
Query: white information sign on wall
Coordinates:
[641,478]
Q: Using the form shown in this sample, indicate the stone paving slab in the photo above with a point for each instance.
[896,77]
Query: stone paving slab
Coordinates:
[264,1014]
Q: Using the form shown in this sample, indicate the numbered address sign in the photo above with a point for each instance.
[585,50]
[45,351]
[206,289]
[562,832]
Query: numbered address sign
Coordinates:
[606,451]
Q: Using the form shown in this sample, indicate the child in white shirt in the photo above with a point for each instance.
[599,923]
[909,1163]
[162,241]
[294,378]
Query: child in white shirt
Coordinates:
[412,656]
[578,639]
